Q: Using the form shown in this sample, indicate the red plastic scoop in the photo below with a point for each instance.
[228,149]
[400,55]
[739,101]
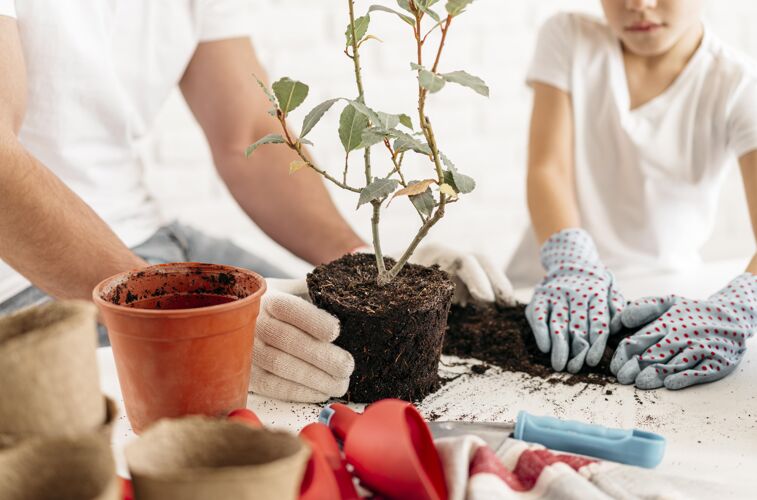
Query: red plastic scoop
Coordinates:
[326,475]
[390,448]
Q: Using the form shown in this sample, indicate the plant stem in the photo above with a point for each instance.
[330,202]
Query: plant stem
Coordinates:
[428,131]
[296,146]
[367,156]
[395,270]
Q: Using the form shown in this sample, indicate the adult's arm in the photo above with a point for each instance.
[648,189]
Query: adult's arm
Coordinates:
[748,163]
[295,210]
[550,189]
[47,233]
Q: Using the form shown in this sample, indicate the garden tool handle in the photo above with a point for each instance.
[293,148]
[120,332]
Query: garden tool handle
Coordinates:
[339,418]
[627,446]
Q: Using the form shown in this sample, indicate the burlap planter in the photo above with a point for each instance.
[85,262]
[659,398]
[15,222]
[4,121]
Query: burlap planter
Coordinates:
[49,380]
[199,458]
[60,468]
[104,430]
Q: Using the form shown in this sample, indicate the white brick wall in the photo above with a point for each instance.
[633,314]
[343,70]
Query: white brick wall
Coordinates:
[486,138]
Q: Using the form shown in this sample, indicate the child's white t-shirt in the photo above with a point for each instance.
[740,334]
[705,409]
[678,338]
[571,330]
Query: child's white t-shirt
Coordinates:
[647,180]
[97,73]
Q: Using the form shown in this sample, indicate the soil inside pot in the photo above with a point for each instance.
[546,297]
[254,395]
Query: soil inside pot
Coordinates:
[501,336]
[394,332]
[182,301]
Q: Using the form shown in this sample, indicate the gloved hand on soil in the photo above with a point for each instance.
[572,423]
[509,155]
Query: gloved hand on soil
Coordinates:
[686,341]
[476,278]
[572,308]
[294,357]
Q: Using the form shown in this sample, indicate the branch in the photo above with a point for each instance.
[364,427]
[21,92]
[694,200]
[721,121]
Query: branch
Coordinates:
[296,146]
[367,156]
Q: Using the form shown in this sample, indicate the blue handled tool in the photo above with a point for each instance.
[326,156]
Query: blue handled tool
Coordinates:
[626,446]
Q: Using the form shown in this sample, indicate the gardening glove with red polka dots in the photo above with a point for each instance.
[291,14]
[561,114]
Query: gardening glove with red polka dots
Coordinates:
[294,357]
[572,308]
[686,341]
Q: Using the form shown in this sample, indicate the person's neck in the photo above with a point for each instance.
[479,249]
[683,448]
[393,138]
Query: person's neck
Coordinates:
[674,58]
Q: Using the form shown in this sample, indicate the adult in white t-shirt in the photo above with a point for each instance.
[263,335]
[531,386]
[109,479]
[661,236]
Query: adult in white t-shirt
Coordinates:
[634,119]
[81,84]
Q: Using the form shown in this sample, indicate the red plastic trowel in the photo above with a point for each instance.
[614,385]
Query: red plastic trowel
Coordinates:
[390,448]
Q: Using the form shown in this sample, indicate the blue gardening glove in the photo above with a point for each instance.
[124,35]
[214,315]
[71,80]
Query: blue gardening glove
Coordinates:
[571,310]
[685,341]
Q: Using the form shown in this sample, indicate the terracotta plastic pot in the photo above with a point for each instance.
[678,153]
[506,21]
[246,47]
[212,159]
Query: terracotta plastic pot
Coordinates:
[182,337]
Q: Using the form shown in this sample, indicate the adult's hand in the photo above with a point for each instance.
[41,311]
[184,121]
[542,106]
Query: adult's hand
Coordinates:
[572,308]
[686,342]
[294,356]
[476,278]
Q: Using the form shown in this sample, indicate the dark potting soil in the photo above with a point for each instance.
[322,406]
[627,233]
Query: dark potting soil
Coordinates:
[182,301]
[395,332]
[501,336]
[199,290]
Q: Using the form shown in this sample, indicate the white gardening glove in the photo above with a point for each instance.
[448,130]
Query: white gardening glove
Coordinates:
[294,358]
[476,277]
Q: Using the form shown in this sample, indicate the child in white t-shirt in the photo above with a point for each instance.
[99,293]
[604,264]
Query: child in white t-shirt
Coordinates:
[634,119]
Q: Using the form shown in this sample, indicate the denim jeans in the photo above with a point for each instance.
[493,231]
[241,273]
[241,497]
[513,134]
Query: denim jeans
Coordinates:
[172,243]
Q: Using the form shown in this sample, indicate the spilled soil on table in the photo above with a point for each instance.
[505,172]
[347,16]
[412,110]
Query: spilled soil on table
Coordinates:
[501,336]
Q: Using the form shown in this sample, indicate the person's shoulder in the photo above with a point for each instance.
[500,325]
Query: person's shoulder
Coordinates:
[730,62]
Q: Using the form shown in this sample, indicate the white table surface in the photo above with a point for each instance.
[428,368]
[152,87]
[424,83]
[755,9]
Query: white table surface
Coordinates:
[711,429]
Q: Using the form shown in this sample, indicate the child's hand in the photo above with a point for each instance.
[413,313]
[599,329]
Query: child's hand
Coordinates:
[572,309]
[688,341]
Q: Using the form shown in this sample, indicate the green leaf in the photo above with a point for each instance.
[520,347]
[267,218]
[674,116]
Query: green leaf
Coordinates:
[373,136]
[409,20]
[377,189]
[456,7]
[267,91]
[290,93]
[430,81]
[426,9]
[361,28]
[467,80]
[405,5]
[385,121]
[315,115]
[406,142]
[424,202]
[365,111]
[305,141]
[460,182]
[416,67]
[388,121]
[269,139]
[351,126]
[406,121]
[447,162]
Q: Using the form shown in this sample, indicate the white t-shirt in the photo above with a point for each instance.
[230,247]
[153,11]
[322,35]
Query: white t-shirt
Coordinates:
[98,72]
[647,180]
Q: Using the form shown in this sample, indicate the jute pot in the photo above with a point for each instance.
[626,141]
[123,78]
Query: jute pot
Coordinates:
[197,458]
[49,380]
[78,468]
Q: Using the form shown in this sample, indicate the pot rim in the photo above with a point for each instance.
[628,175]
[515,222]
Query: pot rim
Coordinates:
[178,313]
